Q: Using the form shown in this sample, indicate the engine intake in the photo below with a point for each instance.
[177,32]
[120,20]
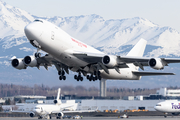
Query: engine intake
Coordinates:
[60,114]
[175,114]
[30,61]
[156,63]
[109,61]
[57,101]
[18,63]
[32,114]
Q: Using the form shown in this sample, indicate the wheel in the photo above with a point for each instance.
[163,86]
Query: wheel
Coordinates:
[87,77]
[94,72]
[64,77]
[75,76]
[94,79]
[99,77]
[99,73]
[60,77]
[77,79]
[59,72]
[63,73]
[81,78]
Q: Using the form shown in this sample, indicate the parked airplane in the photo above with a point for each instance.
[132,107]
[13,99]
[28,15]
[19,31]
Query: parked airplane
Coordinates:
[47,110]
[168,106]
[68,53]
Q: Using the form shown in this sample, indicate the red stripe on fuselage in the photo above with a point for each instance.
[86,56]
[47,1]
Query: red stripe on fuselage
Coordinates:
[79,43]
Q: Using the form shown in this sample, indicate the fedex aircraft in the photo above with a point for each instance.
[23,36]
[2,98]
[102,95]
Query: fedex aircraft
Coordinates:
[67,53]
[168,106]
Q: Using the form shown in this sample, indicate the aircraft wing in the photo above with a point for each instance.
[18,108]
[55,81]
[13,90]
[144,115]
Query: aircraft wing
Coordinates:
[20,111]
[145,60]
[150,73]
[122,61]
[80,111]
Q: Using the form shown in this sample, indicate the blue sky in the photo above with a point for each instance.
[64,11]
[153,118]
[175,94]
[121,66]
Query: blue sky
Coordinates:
[161,12]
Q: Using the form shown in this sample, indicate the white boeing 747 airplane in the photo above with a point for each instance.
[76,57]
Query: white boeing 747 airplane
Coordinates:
[168,106]
[67,53]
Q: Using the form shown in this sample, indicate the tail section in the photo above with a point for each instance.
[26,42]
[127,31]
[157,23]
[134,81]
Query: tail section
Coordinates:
[58,94]
[138,49]
[57,100]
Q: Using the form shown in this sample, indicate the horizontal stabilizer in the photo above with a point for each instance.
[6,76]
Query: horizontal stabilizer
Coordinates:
[151,73]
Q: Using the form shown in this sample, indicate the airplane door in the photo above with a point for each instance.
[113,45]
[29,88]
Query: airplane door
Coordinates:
[52,35]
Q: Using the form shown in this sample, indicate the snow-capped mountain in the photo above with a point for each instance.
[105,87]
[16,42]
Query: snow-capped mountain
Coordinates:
[110,36]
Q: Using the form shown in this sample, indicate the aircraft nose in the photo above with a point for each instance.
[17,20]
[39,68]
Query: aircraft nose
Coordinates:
[33,31]
[157,108]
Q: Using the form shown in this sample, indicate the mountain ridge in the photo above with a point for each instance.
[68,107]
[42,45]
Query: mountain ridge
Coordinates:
[114,36]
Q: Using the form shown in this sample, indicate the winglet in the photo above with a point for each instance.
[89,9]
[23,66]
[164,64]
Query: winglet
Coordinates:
[138,49]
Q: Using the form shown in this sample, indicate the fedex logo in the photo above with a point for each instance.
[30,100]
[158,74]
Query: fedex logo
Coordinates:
[175,106]
[79,43]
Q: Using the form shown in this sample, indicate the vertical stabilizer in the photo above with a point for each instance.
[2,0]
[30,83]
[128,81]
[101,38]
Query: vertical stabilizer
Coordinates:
[58,94]
[138,49]
[57,100]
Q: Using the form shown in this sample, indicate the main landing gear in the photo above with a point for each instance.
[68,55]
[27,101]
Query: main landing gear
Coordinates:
[61,75]
[78,77]
[96,76]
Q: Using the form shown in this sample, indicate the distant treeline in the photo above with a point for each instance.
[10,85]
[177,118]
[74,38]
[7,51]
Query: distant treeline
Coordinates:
[7,90]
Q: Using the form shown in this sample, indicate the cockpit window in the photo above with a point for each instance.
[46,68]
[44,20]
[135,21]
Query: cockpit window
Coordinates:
[158,104]
[38,21]
[37,108]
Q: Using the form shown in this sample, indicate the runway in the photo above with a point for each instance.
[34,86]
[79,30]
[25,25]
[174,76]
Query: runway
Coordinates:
[103,118]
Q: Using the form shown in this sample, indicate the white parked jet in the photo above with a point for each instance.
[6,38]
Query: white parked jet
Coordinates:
[168,106]
[68,53]
[47,110]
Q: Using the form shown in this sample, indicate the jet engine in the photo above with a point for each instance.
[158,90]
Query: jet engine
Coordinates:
[109,61]
[60,114]
[57,101]
[175,114]
[31,114]
[30,61]
[156,63]
[18,63]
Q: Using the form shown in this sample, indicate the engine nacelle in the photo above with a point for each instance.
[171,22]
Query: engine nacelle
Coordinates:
[32,114]
[60,114]
[175,114]
[30,61]
[57,101]
[156,63]
[18,63]
[109,61]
